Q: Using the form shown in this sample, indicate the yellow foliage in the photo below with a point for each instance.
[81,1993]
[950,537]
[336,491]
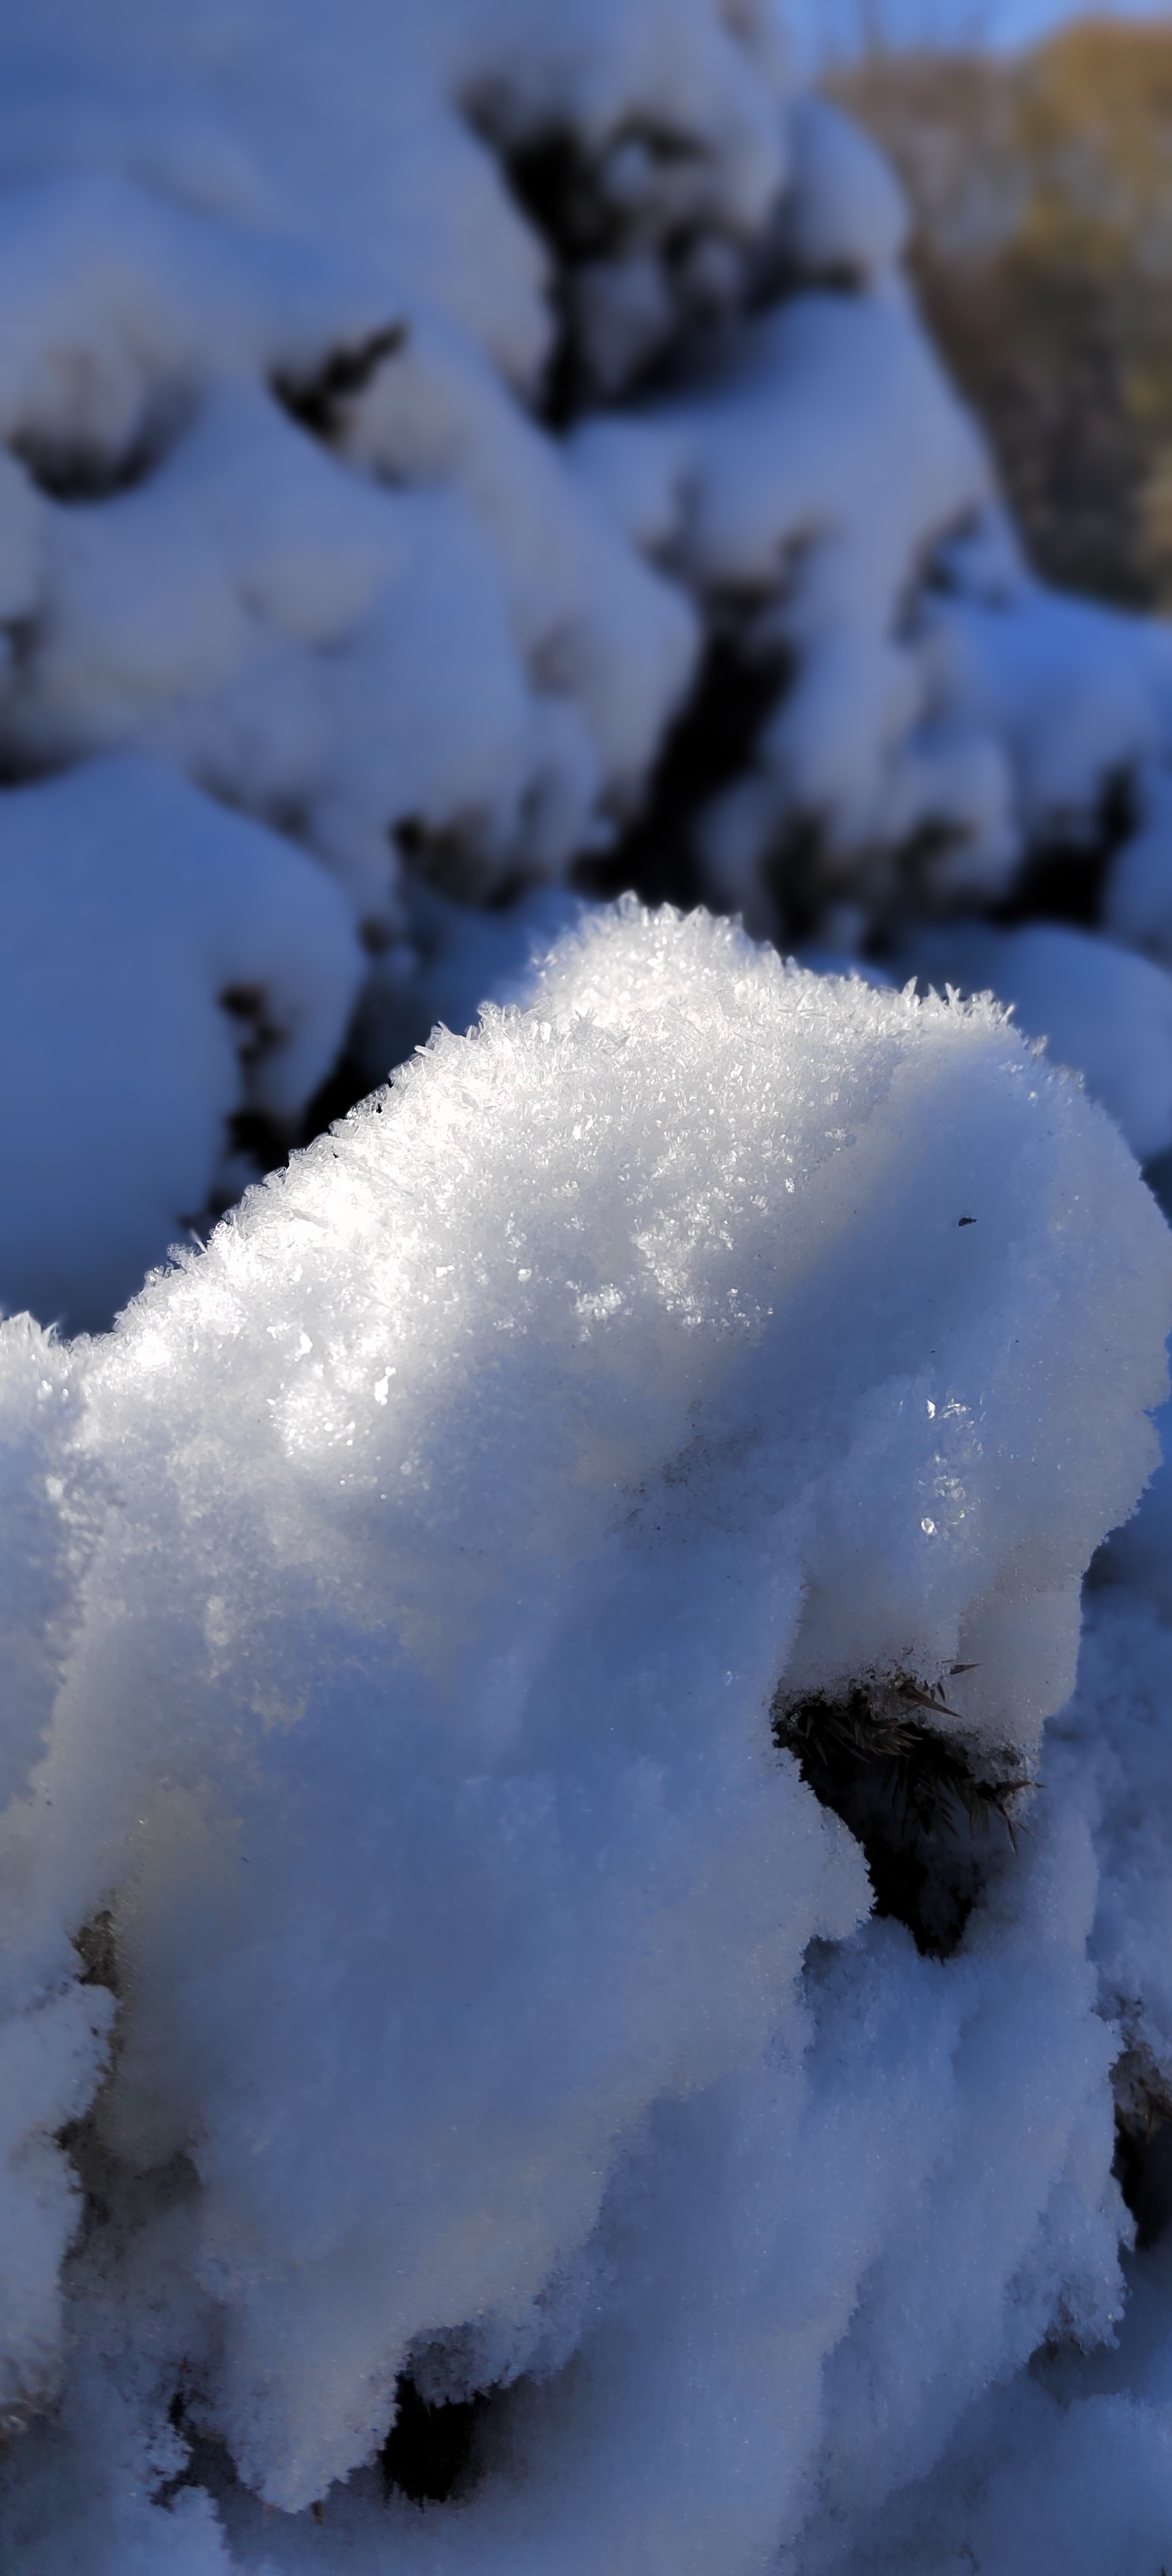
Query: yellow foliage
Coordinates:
[1043,191]
[1093,131]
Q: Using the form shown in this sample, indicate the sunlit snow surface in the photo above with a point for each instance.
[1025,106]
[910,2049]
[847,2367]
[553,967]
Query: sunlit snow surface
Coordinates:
[401,1592]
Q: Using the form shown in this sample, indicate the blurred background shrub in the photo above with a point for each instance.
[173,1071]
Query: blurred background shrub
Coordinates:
[1041,183]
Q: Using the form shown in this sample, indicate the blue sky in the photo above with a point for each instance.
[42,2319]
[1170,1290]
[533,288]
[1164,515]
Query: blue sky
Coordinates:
[1021,19]
[1004,22]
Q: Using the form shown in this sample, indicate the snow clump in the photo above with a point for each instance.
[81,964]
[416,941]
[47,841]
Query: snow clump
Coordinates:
[439,1561]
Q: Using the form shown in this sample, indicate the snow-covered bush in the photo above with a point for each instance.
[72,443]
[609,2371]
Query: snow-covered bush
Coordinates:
[471,440]
[546,1966]
[459,1598]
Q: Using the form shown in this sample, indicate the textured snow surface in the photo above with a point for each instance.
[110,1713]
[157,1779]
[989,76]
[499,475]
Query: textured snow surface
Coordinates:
[413,1573]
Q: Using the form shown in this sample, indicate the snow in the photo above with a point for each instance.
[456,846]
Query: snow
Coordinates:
[847,215]
[783,491]
[279,507]
[494,1996]
[1101,1009]
[165,964]
[446,1952]
[1070,2464]
[1078,695]
[1137,902]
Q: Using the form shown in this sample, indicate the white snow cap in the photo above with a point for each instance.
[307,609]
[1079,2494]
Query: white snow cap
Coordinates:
[1101,1009]
[847,214]
[702,1332]
[163,964]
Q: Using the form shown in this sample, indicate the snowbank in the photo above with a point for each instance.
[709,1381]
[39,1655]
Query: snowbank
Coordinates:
[469,1553]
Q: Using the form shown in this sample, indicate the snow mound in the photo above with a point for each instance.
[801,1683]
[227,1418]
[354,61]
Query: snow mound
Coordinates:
[703,1342]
